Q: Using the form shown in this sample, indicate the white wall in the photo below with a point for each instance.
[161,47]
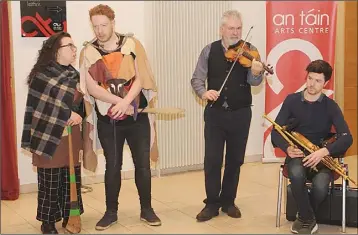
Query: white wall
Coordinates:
[183,148]
[130,17]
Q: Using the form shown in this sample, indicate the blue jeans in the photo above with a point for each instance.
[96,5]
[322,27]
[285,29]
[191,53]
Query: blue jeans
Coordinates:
[308,203]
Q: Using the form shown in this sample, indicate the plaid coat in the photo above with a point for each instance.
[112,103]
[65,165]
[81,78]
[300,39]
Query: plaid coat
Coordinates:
[48,108]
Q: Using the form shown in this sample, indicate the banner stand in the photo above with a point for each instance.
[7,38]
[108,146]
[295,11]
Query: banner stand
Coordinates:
[297,33]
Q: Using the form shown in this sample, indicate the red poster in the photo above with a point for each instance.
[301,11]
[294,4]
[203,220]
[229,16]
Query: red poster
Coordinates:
[298,32]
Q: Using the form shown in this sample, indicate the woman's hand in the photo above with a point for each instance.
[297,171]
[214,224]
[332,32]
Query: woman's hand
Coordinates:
[75,119]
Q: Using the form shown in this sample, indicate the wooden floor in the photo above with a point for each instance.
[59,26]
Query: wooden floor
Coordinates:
[177,199]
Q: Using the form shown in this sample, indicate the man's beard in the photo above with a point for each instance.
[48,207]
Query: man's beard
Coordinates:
[231,41]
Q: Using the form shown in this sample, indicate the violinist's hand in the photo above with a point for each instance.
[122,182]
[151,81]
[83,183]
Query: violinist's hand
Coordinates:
[120,108]
[294,152]
[314,158]
[210,95]
[74,119]
[256,67]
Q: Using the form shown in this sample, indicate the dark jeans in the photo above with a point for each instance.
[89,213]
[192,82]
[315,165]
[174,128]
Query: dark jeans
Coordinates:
[138,139]
[308,203]
[232,128]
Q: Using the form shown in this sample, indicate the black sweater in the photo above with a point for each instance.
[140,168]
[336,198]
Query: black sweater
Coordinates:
[314,120]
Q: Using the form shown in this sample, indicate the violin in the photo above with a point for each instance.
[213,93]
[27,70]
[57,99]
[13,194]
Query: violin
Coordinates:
[241,52]
[246,56]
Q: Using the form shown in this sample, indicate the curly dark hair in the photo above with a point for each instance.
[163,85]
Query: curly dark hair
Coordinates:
[320,66]
[47,53]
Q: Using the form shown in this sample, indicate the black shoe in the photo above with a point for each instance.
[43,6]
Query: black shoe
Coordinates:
[48,228]
[304,227]
[149,216]
[107,220]
[207,214]
[232,211]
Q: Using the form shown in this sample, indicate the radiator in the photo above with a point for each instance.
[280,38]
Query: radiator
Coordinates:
[176,32]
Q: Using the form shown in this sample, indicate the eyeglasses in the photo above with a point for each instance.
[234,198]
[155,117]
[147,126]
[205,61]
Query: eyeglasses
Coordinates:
[73,47]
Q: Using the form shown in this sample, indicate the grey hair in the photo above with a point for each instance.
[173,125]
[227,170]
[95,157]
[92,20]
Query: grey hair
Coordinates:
[229,14]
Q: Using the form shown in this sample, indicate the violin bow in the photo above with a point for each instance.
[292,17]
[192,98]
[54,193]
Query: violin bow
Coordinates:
[232,66]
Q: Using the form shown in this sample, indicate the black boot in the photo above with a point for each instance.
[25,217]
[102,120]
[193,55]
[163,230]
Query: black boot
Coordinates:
[110,218]
[207,214]
[148,215]
[232,211]
[48,228]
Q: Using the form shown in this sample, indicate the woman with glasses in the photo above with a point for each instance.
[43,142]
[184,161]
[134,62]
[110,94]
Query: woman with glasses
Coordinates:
[53,102]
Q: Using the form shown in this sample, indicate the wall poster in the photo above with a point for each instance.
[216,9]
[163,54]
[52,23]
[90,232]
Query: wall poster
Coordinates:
[297,32]
[42,18]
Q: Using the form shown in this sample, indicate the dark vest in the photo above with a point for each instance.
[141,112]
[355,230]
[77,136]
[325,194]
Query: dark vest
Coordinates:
[236,92]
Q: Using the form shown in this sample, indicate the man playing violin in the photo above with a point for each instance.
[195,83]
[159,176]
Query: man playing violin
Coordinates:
[312,114]
[116,79]
[227,115]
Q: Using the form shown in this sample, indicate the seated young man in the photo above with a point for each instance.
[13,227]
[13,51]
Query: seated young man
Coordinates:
[314,114]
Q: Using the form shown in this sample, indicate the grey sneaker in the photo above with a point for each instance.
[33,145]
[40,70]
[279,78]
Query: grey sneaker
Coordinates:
[304,227]
[107,221]
[297,225]
[308,227]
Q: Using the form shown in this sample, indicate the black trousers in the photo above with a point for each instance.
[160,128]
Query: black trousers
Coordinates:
[230,128]
[308,204]
[53,198]
[137,135]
